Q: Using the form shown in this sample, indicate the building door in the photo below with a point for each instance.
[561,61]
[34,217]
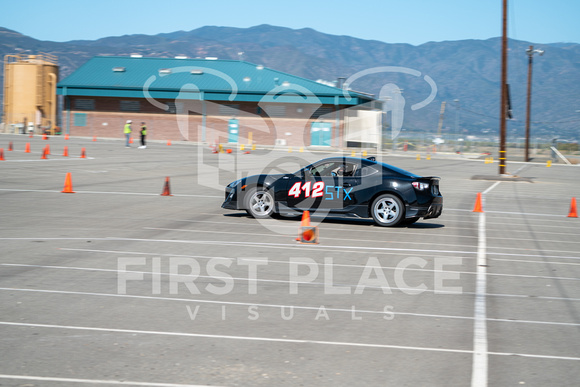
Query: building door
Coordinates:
[320,134]
[233,130]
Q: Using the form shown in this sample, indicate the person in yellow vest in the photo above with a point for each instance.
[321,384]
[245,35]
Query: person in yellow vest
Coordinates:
[128,131]
[143,135]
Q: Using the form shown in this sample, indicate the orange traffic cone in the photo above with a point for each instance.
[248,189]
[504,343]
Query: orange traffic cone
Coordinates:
[65,151]
[47,147]
[45,137]
[305,223]
[1,154]
[130,140]
[66,136]
[68,184]
[166,189]
[83,153]
[309,235]
[94,138]
[168,142]
[573,212]
[44,153]
[305,219]
[477,207]
[27,148]
[10,147]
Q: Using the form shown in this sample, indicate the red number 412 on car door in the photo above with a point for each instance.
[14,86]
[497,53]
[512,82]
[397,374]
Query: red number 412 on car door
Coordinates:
[317,189]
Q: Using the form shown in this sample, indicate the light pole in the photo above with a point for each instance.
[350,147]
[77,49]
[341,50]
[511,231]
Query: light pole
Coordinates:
[530,51]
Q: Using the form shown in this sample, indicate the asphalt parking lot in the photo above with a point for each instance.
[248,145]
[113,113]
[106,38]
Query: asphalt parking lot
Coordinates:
[116,284]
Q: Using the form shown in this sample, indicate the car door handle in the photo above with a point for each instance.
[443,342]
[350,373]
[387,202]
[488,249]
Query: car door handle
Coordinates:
[347,185]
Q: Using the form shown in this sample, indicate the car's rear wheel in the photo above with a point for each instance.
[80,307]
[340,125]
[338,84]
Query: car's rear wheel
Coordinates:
[388,210]
[259,203]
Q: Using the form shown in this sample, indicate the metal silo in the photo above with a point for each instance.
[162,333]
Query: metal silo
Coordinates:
[30,92]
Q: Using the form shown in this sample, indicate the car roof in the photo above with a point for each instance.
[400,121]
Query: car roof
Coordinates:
[367,162]
[345,159]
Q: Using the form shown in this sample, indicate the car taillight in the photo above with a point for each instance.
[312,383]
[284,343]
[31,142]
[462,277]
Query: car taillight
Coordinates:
[420,186]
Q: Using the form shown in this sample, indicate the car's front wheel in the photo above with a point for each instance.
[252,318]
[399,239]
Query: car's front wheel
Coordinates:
[259,203]
[388,210]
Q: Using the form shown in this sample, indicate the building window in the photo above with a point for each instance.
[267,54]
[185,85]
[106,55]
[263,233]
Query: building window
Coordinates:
[80,119]
[321,111]
[181,108]
[228,110]
[84,104]
[171,107]
[130,106]
[275,110]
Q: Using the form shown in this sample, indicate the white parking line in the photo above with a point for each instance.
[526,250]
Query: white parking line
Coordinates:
[384,232]
[125,252]
[385,288]
[278,340]
[93,381]
[311,283]
[109,193]
[280,306]
[510,212]
[277,235]
[294,246]
[331,248]
[479,372]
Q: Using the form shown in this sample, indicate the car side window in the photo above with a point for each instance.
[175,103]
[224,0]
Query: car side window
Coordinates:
[349,169]
[335,168]
[365,171]
[324,169]
[312,171]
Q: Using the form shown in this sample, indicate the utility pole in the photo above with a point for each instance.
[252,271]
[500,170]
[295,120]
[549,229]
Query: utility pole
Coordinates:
[530,51]
[503,103]
[456,121]
[441,117]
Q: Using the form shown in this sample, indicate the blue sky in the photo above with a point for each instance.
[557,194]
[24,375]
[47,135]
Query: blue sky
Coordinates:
[401,21]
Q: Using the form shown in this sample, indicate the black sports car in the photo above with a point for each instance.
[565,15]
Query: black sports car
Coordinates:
[340,185]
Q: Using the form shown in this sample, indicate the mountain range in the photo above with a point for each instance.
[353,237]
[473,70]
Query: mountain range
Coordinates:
[466,72]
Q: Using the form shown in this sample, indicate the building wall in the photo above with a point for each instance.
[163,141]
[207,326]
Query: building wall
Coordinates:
[362,127]
[183,120]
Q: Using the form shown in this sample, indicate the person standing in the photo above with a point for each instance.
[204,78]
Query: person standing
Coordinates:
[128,131]
[143,135]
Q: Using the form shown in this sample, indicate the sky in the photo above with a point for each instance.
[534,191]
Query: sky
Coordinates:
[402,21]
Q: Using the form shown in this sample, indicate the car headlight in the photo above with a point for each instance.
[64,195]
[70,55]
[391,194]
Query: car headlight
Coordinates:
[233,184]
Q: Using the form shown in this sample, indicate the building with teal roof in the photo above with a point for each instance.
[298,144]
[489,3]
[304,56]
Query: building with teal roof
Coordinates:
[205,100]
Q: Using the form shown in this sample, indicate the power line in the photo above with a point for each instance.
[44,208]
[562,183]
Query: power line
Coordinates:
[516,120]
